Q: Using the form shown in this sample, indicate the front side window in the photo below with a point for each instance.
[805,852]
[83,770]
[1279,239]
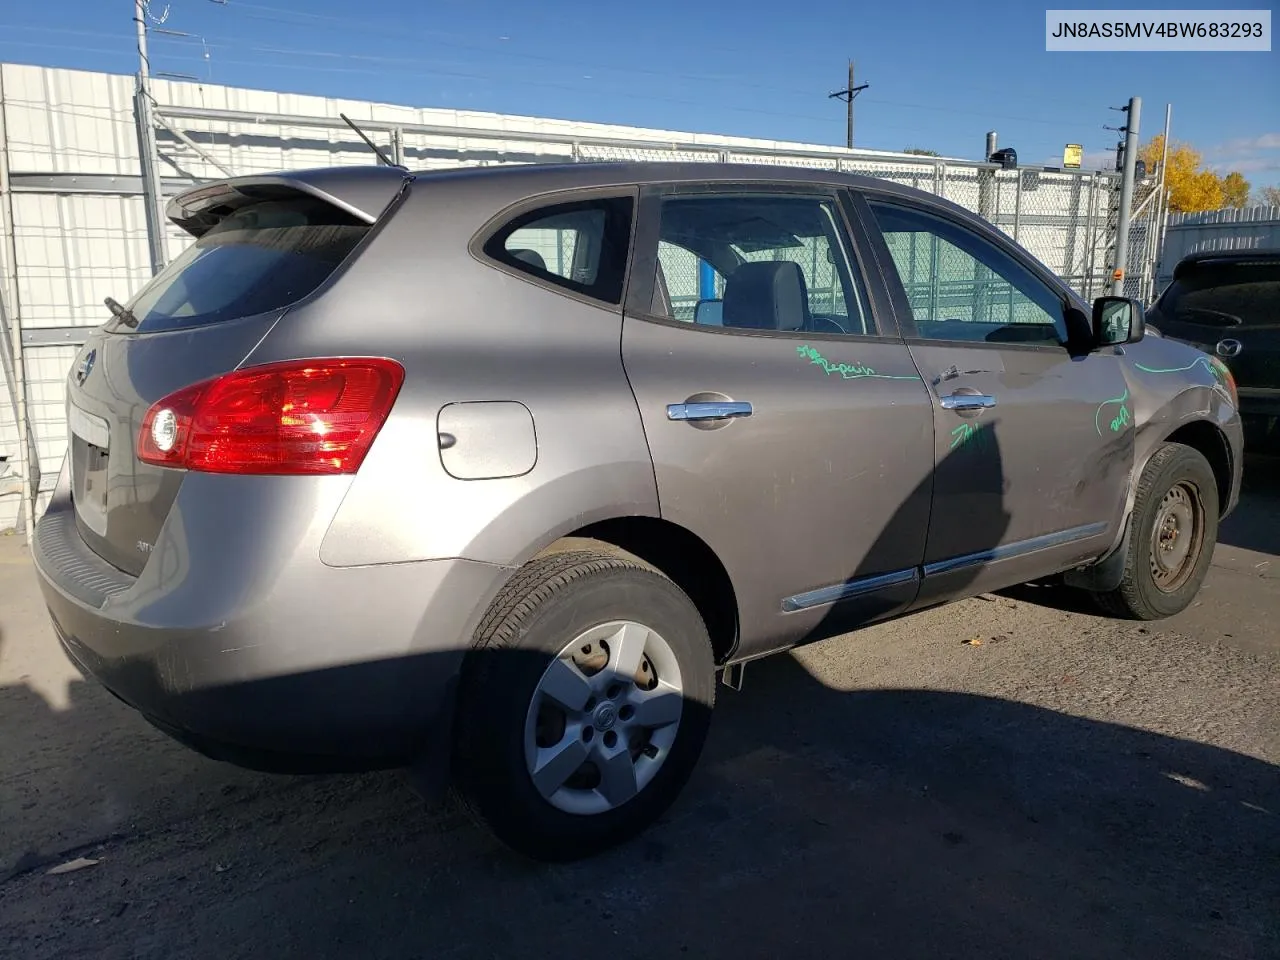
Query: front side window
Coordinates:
[747,261]
[581,246]
[961,286]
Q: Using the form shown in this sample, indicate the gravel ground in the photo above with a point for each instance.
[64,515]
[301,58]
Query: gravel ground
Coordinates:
[1009,776]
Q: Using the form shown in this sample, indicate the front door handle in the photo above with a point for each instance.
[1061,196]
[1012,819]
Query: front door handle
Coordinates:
[709,410]
[967,401]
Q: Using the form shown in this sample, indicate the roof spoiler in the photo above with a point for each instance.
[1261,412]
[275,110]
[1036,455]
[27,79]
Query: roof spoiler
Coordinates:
[1194,261]
[364,192]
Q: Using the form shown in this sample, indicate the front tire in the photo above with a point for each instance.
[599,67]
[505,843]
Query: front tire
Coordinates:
[584,705]
[1174,530]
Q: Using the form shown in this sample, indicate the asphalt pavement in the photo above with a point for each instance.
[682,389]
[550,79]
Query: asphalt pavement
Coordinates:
[1010,776]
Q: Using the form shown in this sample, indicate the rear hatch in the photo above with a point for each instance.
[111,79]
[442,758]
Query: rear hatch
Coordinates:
[1229,307]
[262,245]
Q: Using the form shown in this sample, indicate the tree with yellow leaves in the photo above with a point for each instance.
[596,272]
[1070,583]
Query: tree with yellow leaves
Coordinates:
[1235,190]
[1192,186]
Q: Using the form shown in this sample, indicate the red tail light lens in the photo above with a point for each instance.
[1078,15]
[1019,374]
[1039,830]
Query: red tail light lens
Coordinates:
[297,417]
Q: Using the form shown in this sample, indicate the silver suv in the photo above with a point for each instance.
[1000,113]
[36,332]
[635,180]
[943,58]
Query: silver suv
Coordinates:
[489,473]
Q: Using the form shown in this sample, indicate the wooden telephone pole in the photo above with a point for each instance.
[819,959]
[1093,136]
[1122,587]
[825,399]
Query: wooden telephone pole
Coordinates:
[847,95]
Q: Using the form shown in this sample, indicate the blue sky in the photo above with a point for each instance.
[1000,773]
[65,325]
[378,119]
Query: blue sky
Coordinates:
[941,75]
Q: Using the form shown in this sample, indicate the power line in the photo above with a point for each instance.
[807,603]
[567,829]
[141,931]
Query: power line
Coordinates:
[219,42]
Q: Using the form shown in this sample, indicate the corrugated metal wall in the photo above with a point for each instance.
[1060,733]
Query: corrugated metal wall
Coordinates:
[79,225]
[1253,228]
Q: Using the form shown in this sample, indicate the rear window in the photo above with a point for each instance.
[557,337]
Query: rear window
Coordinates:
[1226,295]
[262,257]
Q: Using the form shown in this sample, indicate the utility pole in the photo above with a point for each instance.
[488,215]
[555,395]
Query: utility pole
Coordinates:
[149,161]
[847,95]
[1129,158]
[140,26]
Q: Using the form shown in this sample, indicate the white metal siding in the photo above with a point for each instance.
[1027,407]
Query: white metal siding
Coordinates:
[1253,228]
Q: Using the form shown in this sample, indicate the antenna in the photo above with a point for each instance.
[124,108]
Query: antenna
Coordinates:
[372,146]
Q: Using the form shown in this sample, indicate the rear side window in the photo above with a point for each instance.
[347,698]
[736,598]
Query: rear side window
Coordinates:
[264,256]
[1226,295]
[580,246]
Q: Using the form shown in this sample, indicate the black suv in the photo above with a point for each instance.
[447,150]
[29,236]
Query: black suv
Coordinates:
[1228,304]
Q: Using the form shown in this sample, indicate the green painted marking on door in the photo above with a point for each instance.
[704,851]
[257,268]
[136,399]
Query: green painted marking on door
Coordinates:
[1121,420]
[847,371]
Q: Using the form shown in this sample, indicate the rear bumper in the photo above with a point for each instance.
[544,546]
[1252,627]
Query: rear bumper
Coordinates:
[302,667]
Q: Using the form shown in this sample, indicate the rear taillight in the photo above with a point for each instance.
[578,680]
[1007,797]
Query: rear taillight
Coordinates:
[296,417]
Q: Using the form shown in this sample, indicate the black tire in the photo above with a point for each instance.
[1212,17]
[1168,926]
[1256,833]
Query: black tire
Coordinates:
[550,602]
[1140,596]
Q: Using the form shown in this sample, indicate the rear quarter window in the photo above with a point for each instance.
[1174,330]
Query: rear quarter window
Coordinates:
[264,256]
[580,246]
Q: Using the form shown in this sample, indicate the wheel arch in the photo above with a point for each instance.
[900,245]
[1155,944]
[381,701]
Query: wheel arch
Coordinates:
[678,554]
[1209,440]
[1203,436]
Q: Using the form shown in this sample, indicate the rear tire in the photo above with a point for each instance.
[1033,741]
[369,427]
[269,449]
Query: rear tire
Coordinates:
[1174,530]
[584,705]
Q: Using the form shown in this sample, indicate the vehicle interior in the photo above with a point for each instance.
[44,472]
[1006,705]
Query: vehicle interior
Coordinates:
[768,263]
[961,287]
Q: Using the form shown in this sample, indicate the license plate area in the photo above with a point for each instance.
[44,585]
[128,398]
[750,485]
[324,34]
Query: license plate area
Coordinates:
[90,451]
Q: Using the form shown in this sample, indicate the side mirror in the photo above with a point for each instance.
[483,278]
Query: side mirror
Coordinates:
[1118,320]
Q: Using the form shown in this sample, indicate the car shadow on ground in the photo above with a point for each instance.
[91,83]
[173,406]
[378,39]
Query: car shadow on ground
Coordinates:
[873,822]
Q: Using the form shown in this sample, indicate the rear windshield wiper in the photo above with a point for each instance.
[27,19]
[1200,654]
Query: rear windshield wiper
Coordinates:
[122,314]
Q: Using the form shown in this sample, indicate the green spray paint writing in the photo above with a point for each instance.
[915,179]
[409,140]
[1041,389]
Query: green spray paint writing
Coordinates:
[847,371]
[1121,419]
[961,434]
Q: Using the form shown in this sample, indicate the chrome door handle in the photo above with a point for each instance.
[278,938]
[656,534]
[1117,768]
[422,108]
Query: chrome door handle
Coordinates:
[709,410]
[967,401]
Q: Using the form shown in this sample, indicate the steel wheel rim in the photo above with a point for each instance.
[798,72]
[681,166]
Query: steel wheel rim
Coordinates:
[603,718]
[1176,537]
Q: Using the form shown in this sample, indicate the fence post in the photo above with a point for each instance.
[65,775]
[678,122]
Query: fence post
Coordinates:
[1072,243]
[1017,207]
[11,340]
[397,146]
[1091,238]
[1126,196]
[149,167]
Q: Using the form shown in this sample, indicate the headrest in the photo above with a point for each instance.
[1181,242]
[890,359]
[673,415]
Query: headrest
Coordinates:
[766,295]
[532,257]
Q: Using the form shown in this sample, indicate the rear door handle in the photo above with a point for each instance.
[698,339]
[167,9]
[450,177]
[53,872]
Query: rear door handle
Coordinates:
[709,410]
[967,401]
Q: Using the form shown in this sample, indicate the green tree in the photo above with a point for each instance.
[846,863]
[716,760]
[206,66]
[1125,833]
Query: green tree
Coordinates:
[918,151]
